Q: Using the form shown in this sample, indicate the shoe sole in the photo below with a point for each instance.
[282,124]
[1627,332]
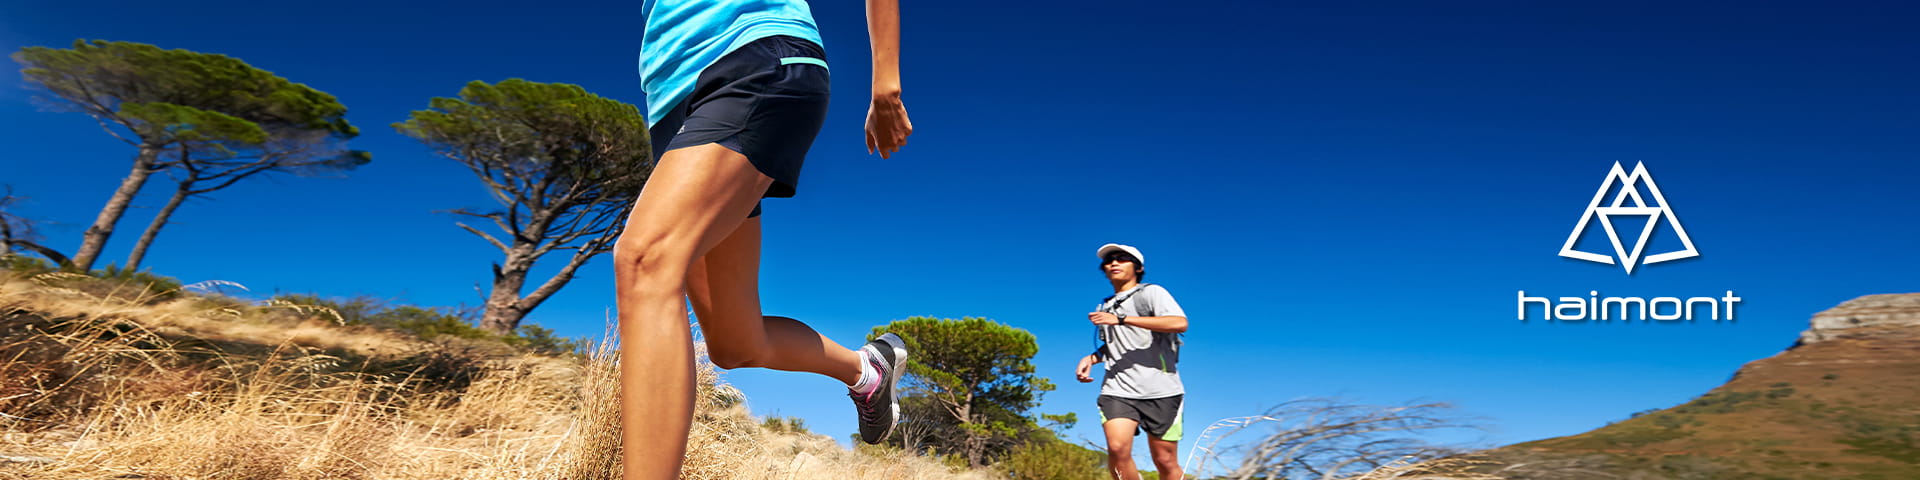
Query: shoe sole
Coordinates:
[899,367]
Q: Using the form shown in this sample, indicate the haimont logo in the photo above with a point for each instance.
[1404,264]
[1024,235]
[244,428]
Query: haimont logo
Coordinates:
[1628,203]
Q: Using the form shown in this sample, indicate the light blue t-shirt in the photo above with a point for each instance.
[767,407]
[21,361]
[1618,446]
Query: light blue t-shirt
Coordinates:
[683,37]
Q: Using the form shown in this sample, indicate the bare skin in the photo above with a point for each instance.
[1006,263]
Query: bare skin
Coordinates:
[1166,458]
[1120,431]
[724,287]
[1120,448]
[1166,453]
[708,254]
[696,198]
[689,238]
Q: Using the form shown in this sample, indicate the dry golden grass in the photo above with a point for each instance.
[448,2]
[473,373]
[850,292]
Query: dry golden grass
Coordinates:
[111,383]
[121,385]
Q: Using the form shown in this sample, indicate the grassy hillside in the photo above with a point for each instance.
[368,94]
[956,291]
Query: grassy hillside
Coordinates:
[130,379]
[135,377]
[1846,408]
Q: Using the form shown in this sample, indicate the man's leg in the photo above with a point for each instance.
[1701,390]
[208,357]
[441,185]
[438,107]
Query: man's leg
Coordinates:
[1166,457]
[695,197]
[725,288]
[1120,448]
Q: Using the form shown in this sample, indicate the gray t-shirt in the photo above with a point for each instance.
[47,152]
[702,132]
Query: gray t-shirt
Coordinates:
[1141,363]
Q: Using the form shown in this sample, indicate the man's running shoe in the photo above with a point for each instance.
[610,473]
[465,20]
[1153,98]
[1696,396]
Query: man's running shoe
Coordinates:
[880,409]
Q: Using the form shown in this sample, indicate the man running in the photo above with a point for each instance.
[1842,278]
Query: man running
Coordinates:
[736,92]
[1140,327]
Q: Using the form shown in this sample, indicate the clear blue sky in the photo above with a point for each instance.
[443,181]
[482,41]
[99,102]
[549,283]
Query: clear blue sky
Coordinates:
[1345,199]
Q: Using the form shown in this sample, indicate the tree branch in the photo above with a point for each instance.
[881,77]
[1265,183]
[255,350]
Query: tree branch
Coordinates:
[109,129]
[496,242]
[558,280]
[51,254]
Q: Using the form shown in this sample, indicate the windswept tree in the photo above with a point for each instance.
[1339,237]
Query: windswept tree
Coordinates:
[202,167]
[564,166]
[168,102]
[973,381]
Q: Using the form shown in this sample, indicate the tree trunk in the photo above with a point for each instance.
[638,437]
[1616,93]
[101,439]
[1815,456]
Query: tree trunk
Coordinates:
[95,238]
[6,237]
[976,448]
[159,220]
[504,312]
[976,441]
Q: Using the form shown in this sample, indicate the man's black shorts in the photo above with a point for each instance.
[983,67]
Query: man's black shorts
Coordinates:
[765,100]
[1159,417]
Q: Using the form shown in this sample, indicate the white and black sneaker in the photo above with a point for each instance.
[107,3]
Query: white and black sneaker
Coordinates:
[880,408]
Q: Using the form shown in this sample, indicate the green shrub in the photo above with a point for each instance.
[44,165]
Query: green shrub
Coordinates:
[1630,434]
[1900,449]
[785,425]
[25,265]
[112,281]
[1668,420]
[1049,458]
[430,324]
[434,323]
[154,283]
[542,340]
[1720,402]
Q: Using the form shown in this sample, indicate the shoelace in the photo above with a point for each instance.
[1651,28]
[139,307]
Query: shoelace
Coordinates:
[867,410]
[863,402]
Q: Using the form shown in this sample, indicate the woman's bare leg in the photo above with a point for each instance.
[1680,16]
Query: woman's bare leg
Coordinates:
[695,197]
[725,288]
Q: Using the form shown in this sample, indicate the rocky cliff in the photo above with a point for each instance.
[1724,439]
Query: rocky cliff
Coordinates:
[1866,316]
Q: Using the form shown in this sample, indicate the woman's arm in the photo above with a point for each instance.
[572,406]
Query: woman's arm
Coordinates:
[887,123]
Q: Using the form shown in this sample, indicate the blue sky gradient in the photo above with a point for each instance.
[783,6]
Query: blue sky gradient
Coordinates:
[1344,199]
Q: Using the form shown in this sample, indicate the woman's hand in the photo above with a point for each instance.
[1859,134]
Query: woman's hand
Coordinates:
[887,123]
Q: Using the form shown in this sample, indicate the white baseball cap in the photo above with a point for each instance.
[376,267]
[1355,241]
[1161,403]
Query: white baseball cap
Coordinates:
[1115,247]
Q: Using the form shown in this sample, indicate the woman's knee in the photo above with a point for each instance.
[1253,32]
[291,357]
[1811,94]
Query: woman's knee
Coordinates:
[650,258]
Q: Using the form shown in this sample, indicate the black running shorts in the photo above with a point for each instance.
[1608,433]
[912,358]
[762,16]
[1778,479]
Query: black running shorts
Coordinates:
[765,100]
[1159,417]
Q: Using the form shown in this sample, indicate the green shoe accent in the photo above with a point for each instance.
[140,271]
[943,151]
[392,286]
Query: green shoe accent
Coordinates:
[805,60]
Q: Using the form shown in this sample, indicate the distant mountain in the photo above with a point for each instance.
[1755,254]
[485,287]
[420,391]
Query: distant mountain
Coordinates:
[1842,403]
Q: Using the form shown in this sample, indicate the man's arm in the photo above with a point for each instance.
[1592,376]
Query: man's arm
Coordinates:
[1167,324]
[1163,324]
[1084,371]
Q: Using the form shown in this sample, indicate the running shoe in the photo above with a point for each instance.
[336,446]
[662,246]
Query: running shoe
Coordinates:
[880,408]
